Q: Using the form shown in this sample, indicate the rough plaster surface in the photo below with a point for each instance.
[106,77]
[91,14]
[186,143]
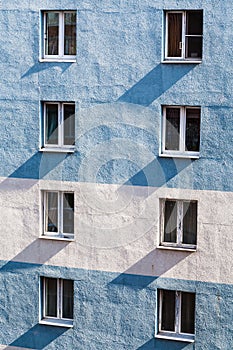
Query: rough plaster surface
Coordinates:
[117,229]
[112,310]
[119,85]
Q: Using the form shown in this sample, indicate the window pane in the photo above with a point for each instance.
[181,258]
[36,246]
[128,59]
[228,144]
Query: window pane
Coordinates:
[51,297]
[174,34]
[68,291]
[69,124]
[172,136]
[192,133]
[187,312]
[52,33]
[70,34]
[51,124]
[170,221]
[194,22]
[52,212]
[168,310]
[190,223]
[193,47]
[68,213]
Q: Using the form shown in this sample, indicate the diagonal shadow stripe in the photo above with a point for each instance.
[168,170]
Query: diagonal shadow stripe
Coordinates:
[155,83]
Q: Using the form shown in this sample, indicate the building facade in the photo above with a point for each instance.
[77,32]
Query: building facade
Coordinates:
[116,175]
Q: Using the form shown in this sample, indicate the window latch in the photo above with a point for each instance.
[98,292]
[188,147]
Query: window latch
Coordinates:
[180,45]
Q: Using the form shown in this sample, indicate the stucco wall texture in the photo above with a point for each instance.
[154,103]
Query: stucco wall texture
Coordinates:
[119,85]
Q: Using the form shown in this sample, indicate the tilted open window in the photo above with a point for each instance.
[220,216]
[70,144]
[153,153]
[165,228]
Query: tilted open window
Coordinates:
[184,33]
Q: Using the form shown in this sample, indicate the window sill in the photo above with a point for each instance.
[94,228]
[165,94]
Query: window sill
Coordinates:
[176,337]
[188,156]
[182,61]
[57,150]
[66,60]
[183,249]
[57,322]
[57,238]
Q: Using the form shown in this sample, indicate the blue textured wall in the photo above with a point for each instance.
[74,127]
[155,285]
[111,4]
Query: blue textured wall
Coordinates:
[111,311]
[119,85]
[119,50]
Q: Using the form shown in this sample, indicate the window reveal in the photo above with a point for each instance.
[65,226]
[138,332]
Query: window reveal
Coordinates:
[59,35]
[178,223]
[58,213]
[184,32]
[59,125]
[181,130]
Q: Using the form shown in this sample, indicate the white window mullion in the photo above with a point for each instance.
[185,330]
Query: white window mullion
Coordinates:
[178,312]
[45,36]
[166,36]
[162,216]
[61,299]
[44,296]
[62,124]
[45,204]
[160,309]
[59,281]
[164,128]
[61,212]
[62,33]
[179,221]
[182,129]
[183,34]
[45,123]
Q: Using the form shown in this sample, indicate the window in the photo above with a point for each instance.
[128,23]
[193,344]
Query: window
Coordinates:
[181,131]
[59,126]
[178,223]
[57,301]
[59,30]
[58,214]
[176,314]
[184,31]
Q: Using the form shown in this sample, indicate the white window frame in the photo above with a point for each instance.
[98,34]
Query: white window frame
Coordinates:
[60,234]
[179,227]
[177,334]
[61,56]
[183,43]
[60,146]
[182,152]
[59,320]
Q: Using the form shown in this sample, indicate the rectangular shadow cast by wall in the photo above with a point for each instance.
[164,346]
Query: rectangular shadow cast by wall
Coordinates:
[38,337]
[155,83]
[149,268]
[165,344]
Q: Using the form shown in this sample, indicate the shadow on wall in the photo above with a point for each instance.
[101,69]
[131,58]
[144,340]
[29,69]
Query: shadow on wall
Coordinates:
[38,337]
[40,250]
[155,83]
[40,66]
[160,171]
[159,344]
[35,168]
[150,267]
